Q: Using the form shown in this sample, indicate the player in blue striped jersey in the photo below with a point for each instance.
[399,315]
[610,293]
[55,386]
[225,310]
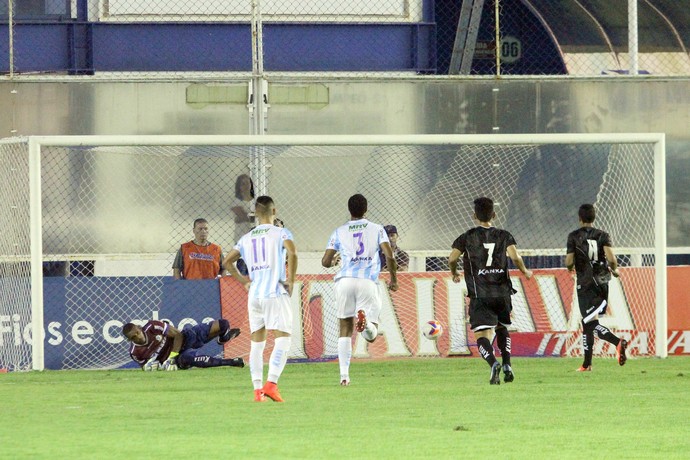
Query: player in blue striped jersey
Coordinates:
[265,250]
[358,243]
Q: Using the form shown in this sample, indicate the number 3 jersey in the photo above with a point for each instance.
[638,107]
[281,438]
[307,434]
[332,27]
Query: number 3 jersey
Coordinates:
[263,251]
[485,262]
[587,243]
[358,244]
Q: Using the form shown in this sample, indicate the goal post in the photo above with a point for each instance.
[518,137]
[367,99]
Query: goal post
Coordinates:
[95,221]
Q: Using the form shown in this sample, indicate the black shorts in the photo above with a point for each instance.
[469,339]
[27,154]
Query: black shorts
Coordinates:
[592,300]
[487,312]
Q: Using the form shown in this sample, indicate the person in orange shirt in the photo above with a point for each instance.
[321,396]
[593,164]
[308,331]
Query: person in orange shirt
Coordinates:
[198,259]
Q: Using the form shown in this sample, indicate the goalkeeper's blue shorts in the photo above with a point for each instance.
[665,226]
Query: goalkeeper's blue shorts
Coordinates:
[195,337]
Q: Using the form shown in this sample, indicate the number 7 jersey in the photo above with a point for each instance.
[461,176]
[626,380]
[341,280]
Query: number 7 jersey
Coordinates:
[358,242]
[485,261]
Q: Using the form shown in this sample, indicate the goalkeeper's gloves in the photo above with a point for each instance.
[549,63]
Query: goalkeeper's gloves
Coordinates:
[151,365]
[170,364]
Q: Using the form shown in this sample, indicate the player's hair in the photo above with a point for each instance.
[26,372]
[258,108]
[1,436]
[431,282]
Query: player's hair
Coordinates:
[357,205]
[238,194]
[264,205]
[484,209]
[200,220]
[128,328]
[587,213]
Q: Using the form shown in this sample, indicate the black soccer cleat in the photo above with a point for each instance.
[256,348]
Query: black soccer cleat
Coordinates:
[620,351]
[495,374]
[237,362]
[228,336]
[508,375]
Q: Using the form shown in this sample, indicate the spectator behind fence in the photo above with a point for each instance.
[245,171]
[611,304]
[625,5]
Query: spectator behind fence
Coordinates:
[243,205]
[400,256]
[199,258]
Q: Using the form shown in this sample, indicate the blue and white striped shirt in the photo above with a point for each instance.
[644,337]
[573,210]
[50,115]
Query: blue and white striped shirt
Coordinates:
[263,251]
[358,244]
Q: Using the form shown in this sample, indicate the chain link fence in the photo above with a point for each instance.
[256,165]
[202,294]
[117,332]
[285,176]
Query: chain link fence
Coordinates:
[177,38]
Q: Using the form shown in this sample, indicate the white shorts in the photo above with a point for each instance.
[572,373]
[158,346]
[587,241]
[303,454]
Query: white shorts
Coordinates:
[353,294]
[273,313]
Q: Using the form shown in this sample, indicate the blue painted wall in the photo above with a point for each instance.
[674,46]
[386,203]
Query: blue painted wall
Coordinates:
[83,47]
[79,48]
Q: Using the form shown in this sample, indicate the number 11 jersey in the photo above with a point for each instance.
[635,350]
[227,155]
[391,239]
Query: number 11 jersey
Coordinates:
[263,251]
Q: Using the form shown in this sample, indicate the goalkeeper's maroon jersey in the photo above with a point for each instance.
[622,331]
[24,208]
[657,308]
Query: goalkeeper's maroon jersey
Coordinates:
[157,345]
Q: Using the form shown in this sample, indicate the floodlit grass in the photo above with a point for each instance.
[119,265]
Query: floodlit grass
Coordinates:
[435,408]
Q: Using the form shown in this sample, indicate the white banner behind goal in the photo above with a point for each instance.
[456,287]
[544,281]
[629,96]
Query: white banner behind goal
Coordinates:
[111,211]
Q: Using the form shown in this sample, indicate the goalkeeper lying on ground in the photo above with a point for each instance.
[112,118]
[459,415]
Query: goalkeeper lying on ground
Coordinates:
[158,344]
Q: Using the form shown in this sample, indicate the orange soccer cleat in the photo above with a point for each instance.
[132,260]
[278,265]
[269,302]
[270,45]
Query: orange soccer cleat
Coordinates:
[361,321]
[270,389]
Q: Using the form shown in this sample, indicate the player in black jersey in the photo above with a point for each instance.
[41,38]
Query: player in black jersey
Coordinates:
[485,250]
[590,254]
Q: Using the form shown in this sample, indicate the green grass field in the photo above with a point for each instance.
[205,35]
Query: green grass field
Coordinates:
[435,408]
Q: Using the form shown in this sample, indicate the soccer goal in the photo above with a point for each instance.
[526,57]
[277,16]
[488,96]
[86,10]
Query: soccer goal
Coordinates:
[91,226]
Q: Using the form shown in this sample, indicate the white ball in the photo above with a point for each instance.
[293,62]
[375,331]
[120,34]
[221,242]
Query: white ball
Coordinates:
[432,330]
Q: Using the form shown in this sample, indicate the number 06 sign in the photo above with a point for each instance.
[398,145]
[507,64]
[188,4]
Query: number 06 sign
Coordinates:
[511,49]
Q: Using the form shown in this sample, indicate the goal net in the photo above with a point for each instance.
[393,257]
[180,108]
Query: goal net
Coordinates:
[91,226]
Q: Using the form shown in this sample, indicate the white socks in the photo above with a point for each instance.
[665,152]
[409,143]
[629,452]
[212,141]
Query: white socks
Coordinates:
[256,363]
[279,357]
[344,355]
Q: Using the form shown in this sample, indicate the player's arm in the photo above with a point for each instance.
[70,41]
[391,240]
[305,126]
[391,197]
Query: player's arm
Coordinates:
[177,338]
[177,265]
[170,364]
[291,264]
[330,258]
[229,265]
[391,264]
[223,271]
[453,259]
[517,260]
[150,363]
[570,246]
[613,262]
[570,261]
